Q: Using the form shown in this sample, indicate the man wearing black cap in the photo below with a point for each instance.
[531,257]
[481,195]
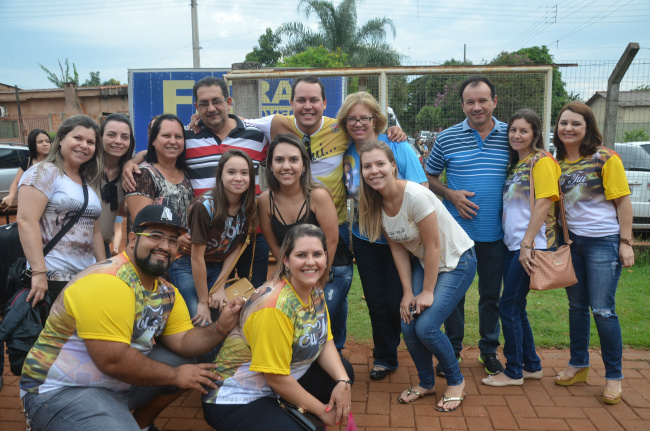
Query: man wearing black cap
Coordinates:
[95,361]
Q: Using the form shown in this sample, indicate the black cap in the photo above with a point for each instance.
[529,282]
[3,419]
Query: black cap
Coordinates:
[158,214]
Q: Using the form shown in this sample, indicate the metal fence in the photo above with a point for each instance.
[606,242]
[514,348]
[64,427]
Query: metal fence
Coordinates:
[10,127]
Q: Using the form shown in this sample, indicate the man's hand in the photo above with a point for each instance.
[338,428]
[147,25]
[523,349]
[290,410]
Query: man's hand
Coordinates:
[194,123]
[197,376]
[128,182]
[395,134]
[466,208]
[229,317]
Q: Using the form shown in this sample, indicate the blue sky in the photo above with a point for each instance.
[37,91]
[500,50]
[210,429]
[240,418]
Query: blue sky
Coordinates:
[115,36]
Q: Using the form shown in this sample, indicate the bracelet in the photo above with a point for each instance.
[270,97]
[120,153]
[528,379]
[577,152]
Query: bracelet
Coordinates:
[526,246]
[347,382]
[42,271]
[218,329]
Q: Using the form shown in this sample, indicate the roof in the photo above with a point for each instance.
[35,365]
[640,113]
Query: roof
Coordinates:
[625,98]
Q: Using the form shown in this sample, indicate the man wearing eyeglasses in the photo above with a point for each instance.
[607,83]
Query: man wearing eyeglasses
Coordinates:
[221,132]
[96,361]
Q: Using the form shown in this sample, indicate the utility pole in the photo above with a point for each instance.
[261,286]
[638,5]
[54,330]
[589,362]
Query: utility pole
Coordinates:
[195,38]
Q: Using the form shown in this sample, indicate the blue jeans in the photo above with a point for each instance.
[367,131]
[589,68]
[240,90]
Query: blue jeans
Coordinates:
[83,408]
[489,259]
[260,264]
[180,275]
[336,298]
[423,336]
[383,291]
[598,268]
[519,345]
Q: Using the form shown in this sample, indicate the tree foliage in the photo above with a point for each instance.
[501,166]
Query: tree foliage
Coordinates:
[337,28]
[267,50]
[65,77]
[636,135]
[316,57]
[96,81]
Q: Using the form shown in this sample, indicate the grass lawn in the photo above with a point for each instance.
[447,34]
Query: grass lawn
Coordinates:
[547,311]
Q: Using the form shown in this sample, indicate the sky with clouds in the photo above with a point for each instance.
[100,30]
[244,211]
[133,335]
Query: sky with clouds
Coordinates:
[112,37]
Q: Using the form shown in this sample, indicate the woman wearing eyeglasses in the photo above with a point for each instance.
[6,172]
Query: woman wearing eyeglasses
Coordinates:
[363,121]
[164,178]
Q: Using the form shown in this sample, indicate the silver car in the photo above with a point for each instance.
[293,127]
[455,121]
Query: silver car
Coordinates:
[636,160]
[11,156]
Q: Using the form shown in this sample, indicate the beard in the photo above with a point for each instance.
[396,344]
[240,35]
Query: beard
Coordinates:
[150,265]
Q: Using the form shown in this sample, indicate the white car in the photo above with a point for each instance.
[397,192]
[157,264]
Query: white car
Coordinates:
[636,160]
[11,155]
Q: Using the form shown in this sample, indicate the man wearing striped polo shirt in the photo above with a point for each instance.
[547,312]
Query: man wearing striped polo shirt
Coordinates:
[475,156]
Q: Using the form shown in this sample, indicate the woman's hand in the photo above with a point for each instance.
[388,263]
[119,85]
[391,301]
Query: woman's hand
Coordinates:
[408,301]
[6,202]
[526,260]
[202,314]
[185,244]
[423,301]
[128,171]
[626,254]
[39,288]
[217,299]
[341,401]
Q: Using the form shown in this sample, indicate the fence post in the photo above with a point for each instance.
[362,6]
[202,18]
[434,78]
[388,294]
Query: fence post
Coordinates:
[21,126]
[548,107]
[611,105]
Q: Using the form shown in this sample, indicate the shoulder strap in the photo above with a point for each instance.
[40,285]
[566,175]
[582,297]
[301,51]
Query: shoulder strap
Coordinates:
[565,227]
[50,245]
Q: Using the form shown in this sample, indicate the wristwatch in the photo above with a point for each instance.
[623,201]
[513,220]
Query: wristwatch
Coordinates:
[628,241]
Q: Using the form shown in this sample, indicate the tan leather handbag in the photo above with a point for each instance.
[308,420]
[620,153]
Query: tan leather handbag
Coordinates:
[553,269]
[239,286]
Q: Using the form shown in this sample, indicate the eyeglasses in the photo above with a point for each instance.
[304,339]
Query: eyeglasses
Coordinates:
[206,103]
[306,141]
[159,238]
[363,120]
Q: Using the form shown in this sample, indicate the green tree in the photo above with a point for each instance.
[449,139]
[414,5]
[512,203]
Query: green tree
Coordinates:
[65,77]
[642,87]
[365,45]
[93,81]
[266,52]
[112,81]
[636,135]
[316,57]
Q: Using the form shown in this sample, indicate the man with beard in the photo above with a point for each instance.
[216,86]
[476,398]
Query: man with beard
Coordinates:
[96,361]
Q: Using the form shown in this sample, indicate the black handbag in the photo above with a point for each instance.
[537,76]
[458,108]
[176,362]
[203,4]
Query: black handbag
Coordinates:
[19,276]
[308,421]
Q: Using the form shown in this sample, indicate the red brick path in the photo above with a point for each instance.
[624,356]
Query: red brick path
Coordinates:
[538,405]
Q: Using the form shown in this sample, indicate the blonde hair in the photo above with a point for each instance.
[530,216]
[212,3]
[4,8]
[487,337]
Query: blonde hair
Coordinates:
[91,171]
[370,200]
[367,100]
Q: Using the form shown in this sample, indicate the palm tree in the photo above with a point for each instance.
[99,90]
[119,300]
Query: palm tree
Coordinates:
[365,45]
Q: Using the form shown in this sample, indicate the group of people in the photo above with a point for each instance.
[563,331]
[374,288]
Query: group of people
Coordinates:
[197,215]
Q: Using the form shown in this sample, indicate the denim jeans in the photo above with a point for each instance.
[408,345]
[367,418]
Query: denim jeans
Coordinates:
[383,291]
[423,336]
[180,275]
[87,408]
[489,259]
[598,268]
[260,264]
[336,298]
[519,345]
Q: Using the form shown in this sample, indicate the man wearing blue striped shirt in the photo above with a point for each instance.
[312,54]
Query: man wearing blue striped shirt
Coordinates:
[475,156]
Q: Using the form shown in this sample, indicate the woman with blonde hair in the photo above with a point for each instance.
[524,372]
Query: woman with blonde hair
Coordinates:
[435,260]
[362,121]
[53,192]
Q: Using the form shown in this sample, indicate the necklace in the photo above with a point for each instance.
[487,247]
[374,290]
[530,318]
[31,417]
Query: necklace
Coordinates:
[173,175]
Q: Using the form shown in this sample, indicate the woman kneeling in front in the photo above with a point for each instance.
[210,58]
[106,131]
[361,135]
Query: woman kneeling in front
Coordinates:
[414,220]
[283,347]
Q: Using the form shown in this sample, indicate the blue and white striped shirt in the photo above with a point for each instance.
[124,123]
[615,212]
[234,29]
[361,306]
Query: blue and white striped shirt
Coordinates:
[478,166]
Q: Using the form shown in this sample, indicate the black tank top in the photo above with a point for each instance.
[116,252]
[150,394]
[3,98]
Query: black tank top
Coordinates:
[343,256]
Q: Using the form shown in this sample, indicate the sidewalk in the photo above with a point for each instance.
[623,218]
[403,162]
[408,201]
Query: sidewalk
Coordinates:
[538,405]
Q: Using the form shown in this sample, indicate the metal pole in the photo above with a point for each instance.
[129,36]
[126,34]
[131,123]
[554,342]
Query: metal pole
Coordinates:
[21,126]
[548,105]
[383,92]
[195,38]
[611,105]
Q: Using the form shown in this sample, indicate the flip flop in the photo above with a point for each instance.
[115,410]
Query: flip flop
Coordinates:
[410,391]
[448,400]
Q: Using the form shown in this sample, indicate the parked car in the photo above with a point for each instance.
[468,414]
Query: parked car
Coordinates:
[11,155]
[636,160]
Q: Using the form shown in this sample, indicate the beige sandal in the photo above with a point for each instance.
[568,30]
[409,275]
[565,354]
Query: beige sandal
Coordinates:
[410,391]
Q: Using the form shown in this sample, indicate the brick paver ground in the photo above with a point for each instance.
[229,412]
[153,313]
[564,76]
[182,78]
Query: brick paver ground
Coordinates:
[537,405]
